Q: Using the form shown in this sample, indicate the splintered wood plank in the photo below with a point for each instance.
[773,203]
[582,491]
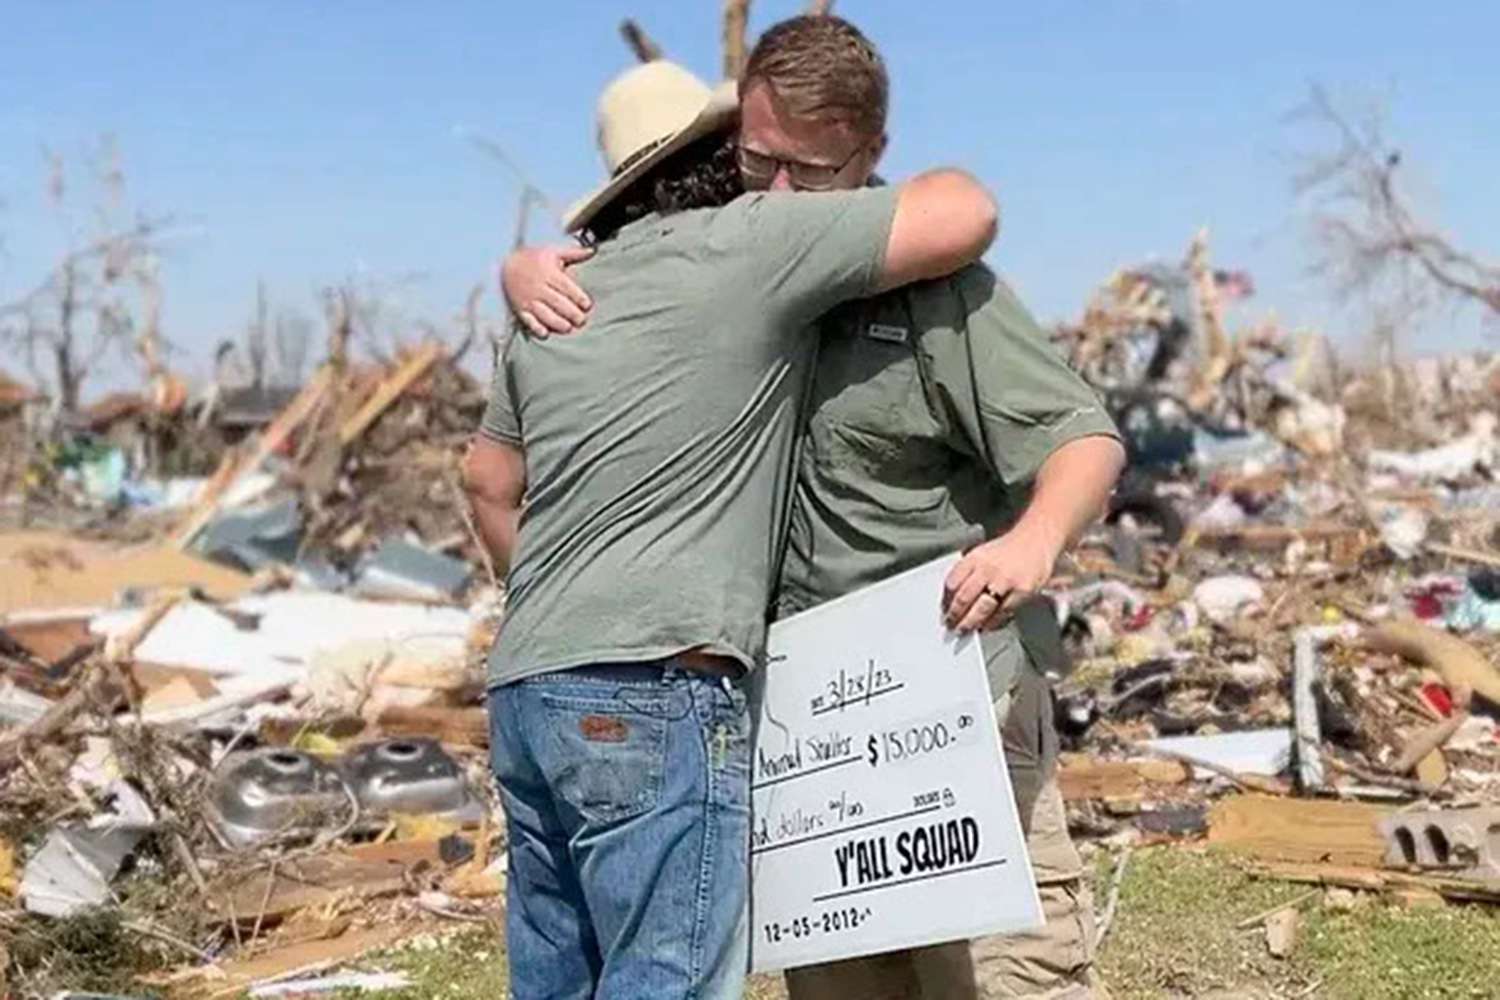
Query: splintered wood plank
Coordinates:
[1082,777]
[454,726]
[308,957]
[1263,537]
[363,872]
[1302,830]
[1400,884]
[50,640]
[390,390]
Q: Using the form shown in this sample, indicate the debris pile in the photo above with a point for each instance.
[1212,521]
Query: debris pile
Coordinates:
[1296,595]
[242,738]
[241,644]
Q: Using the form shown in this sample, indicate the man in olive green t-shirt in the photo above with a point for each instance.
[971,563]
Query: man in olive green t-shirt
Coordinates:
[631,481]
[940,419]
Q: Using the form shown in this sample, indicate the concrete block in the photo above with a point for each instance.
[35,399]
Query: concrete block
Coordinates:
[1462,842]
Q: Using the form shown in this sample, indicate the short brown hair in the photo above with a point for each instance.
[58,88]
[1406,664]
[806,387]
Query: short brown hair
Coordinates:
[821,66]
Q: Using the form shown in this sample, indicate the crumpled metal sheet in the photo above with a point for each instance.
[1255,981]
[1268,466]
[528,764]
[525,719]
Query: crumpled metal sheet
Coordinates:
[401,570]
[76,863]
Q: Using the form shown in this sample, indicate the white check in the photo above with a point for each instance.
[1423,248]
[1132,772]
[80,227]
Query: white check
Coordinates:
[882,811]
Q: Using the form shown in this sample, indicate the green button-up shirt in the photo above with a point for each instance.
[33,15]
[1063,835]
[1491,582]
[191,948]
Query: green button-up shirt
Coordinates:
[932,409]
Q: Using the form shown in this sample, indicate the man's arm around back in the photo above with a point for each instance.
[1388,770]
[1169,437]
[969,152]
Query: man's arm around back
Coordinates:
[945,219]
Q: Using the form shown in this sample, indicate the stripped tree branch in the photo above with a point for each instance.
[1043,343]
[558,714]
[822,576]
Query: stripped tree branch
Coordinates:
[1372,237]
[736,17]
[642,44]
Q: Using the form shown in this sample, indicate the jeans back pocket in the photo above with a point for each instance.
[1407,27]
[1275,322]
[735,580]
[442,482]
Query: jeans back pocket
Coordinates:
[605,755]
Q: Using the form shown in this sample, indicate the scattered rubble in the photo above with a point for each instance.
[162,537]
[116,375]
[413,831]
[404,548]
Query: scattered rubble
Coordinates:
[1322,616]
[242,734]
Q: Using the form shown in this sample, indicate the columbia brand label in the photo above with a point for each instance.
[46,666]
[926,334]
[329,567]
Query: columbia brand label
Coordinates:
[889,334]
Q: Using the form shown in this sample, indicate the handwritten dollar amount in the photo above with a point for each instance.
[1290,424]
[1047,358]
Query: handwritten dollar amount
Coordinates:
[892,746]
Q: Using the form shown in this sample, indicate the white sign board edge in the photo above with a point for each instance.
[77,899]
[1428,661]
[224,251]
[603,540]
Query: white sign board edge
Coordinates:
[899,617]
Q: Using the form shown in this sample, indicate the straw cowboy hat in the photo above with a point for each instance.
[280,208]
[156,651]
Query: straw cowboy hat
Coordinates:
[645,115]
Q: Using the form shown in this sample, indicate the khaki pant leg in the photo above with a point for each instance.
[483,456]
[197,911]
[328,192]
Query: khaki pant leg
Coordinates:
[945,971]
[877,977]
[1053,856]
[935,972]
[1055,962]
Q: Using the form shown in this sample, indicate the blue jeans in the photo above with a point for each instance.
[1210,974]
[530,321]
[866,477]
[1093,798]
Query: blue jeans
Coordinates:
[627,801]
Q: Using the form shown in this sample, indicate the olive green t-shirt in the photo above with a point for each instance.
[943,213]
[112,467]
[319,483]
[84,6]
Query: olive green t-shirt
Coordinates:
[658,441]
[933,407]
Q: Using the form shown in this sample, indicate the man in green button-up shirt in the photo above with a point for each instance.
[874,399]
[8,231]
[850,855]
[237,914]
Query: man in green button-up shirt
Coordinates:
[940,419]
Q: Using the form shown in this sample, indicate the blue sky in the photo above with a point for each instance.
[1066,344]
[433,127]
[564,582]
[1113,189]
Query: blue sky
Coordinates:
[304,143]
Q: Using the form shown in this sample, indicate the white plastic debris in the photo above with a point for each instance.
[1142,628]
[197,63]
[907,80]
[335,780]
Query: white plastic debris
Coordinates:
[367,675]
[327,984]
[1254,673]
[76,863]
[1403,529]
[1308,424]
[1222,514]
[1224,598]
[1258,751]
[1454,460]
[1477,733]
[274,637]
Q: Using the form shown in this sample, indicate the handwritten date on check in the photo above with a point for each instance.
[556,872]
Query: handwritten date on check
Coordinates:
[882,815]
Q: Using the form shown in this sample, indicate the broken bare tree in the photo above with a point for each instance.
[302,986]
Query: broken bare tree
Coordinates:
[290,340]
[642,44]
[736,17]
[1373,240]
[102,294]
[473,327]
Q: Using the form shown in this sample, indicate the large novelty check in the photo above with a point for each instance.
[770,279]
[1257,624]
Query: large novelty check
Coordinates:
[882,813]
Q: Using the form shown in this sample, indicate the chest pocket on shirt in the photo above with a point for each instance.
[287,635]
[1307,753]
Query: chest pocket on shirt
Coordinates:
[868,383]
[870,431]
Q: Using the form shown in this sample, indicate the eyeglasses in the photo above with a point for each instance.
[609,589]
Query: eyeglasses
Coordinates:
[759,169]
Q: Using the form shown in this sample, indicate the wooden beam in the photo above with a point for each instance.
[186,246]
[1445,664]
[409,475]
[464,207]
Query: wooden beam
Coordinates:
[1464,555]
[1463,667]
[1262,537]
[366,871]
[455,726]
[1314,831]
[1083,777]
[642,44]
[308,957]
[271,440]
[390,390]
[1376,880]
[736,18]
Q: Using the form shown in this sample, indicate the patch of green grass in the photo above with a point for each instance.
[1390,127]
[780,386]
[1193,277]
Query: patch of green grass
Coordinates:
[466,966]
[1414,954]
[1175,935]
[472,966]
[1174,931]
